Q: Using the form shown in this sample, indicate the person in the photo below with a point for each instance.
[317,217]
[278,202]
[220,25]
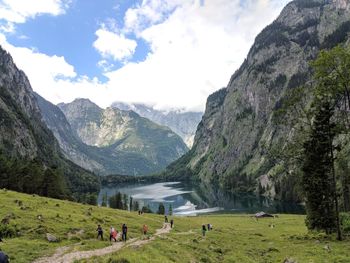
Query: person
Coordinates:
[124,232]
[171,223]
[165,219]
[145,229]
[210,227]
[99,232]
[3,257]
[113,234]
[204,229]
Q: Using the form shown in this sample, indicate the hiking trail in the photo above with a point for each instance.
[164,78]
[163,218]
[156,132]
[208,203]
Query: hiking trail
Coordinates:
[60,257]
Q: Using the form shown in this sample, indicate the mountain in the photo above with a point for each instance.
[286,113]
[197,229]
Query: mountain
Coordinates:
[237,131]
[111,141]
[30,157]
[182,123]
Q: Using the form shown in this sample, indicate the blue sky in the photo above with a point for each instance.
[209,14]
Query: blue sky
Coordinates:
[167,53]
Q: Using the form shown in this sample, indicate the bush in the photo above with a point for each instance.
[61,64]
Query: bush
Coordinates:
[7,231]
[345,222]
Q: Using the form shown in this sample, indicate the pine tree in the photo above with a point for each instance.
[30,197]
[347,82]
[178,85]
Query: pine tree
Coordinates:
[104,200]
[161,209]
[131,204]
[170,210]
[319,180]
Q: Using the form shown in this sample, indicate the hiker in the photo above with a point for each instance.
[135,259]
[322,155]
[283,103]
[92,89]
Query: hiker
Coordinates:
[171,223]
[210,227]
[99,232]
[165,219]
[204,229]
[112,234]
[3,257]
[145,229]
[124,232]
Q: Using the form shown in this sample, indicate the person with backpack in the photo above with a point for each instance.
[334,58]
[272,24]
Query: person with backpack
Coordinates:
[165,219]
[124,232]
[99,232]
[171,223]
[112,234]
[4,258]
[204,230]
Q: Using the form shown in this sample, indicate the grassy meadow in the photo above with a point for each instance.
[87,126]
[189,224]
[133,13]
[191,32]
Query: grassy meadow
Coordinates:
[235,238]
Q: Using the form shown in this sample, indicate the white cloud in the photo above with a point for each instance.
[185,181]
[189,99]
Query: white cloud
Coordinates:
[18,11]
[114,45]
[195,47]
[52,77]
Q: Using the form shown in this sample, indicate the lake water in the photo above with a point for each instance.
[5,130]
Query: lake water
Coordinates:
[190,200]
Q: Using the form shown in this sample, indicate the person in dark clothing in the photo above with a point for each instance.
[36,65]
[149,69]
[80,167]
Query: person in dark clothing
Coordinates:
[99,232]
[171,223]
[165,219]
[204,229]
[124,232]
[4,258]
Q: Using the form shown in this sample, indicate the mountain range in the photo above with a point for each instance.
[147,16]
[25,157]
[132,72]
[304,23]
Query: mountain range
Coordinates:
[233,141]
[111,141]
[183,123]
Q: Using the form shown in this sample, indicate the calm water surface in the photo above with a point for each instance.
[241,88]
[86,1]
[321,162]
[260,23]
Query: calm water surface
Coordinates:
[191,200]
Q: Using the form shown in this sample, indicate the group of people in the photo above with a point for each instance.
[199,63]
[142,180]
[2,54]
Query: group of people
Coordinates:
[113,233]
[206,228]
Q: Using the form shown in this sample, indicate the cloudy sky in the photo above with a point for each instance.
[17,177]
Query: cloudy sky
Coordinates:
[168,53]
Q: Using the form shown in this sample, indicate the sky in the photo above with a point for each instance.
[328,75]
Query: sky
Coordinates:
[165,53]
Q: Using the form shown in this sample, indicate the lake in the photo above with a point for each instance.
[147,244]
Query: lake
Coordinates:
[190,200]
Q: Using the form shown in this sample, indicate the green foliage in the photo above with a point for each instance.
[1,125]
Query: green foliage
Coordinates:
[345,222]
[298,80]
[7,231]
[161,209]
[340,35]
[116,201]
[317,167]
[170,210]
[272,34]
[301,4]
[146,209]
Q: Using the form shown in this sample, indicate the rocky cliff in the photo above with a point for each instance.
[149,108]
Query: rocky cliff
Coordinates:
[113,141]
[236,133]
[23,135]
[182,123]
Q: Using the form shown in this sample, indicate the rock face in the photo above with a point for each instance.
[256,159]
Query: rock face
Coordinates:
[112,141]
[237,131]
[182,123]
[23,134]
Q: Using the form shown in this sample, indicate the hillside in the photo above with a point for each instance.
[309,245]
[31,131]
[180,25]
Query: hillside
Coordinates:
[236,238]
[237,132]
[182,123]
[30,157]
[111,141]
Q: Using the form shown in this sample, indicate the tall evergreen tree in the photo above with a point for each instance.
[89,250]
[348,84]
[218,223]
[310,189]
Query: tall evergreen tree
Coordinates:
[317,173]
[161,209]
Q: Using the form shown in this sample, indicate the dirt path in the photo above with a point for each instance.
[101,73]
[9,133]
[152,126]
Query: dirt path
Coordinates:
[60,257]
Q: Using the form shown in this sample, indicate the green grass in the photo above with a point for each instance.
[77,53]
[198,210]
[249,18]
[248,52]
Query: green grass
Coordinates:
[235,238]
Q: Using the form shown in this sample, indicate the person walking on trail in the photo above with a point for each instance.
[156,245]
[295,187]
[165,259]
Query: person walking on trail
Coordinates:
[145,229]
[124,232]
[99,232]
[204,230]
[4,258]
[171,223]
[210,227]
[165,219]
[112,234]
